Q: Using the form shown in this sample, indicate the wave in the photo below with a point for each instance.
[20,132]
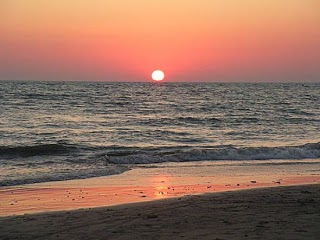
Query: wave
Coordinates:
[70,161]
[136,155]
[37,150]
[307,151]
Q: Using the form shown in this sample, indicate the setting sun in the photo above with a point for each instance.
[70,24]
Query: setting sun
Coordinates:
[158,75]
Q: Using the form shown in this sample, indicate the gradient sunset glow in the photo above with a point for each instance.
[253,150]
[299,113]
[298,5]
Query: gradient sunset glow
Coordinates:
[125,40]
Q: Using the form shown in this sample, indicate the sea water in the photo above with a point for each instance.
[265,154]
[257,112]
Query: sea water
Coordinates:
[69,130]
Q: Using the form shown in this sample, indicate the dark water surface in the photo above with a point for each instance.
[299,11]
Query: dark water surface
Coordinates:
[65,130]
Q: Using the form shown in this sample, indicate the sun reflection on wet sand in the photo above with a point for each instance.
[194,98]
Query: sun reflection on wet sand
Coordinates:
[161,185]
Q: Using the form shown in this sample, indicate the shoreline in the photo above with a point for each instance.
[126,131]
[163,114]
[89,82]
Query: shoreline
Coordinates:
[141,185]
[282,212]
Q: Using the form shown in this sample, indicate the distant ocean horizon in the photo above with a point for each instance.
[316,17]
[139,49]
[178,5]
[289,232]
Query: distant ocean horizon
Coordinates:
[59,130]
[167,81]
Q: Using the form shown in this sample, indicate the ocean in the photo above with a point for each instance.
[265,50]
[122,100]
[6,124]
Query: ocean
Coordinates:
[52,131]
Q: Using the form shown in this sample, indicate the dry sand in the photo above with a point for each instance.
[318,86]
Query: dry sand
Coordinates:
[291,212]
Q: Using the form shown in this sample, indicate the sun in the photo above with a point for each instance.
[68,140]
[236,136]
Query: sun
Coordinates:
[158,75]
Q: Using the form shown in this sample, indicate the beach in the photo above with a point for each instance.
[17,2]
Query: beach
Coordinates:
[155,182]
[205,200]
[265,213]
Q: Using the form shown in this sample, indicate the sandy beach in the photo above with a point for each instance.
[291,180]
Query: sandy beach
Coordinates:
[155,182]
[170,201]
[267,213]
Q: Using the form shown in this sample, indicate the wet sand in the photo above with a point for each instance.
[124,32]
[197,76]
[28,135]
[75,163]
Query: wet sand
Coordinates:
[149,184]
[291,212]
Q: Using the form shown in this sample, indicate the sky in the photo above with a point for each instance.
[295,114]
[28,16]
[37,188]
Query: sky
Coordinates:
[125,40]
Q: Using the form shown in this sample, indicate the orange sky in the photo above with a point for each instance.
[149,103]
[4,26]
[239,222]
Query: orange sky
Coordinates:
[125,40]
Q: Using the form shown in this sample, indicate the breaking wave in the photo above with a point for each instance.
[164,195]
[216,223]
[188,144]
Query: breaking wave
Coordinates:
[134,155]
[310,150]
[63,161]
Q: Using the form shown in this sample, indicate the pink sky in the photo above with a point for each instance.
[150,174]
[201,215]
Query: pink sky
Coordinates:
[125,40]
